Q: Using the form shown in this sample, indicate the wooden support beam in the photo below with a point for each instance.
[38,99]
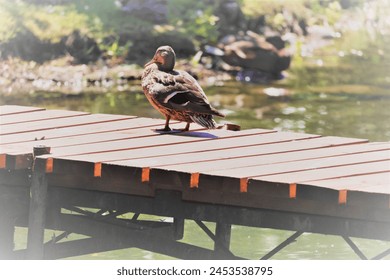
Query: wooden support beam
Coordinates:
[7,229]
[13,212]
[170,204]
[178,228]
[38,202]
[222,238]
[106,237]
[382,255]
[285,243]
[355,248]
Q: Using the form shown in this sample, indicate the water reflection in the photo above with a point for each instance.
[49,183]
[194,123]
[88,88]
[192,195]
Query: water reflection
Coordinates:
[337,114]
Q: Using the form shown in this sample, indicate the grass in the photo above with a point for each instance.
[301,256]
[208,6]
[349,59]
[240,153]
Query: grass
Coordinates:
[48,23]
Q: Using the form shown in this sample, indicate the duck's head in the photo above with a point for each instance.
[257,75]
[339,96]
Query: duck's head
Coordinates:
[164,57]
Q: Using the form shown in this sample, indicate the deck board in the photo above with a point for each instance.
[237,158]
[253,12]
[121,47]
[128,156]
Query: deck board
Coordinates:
[241,159]
[300,175]
[15,109]
[38,116]
[60,123]
[305,164]
[134,128]
[375,182]
[121,125]
[163,144]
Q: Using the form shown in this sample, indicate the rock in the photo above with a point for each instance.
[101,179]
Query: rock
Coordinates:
[231,17]
[145,46]
[82,48]
[276,41]
[27,46]
[251,51]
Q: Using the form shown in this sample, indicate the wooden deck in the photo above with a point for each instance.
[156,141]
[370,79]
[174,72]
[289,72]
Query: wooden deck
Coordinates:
[328,176]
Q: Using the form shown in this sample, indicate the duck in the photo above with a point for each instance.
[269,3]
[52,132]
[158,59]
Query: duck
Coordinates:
[175,93]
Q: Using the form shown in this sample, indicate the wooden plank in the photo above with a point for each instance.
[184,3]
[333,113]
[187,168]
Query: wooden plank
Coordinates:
[18,155]
[260,155]
[202,158]
[376,182]
[330,172]
[122,125]
[38,116]
[60,123]
[167,143]
[134,130]
[66,165]
[290,168]
[16,109]
[232,141]
[299,150]
[364,191]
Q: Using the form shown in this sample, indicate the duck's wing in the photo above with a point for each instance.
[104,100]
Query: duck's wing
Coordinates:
[178,90]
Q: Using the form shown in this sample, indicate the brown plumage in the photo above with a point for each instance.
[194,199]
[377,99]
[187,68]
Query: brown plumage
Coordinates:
[176,94]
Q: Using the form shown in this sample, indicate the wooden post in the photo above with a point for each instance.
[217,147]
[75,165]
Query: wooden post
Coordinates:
[222,238]
[178,232]
[7,229]
[37,213]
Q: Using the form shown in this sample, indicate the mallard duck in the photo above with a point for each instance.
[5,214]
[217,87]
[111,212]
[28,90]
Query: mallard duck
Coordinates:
[176,94]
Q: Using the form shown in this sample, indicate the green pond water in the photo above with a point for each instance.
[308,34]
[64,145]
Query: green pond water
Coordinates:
[331,93]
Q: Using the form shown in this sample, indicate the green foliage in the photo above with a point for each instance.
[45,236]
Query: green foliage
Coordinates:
[333,12]
[313,11]
[53,22]
[48,23]
[8,22]
[105,18]
[116,50]
[194,18]
[254,8]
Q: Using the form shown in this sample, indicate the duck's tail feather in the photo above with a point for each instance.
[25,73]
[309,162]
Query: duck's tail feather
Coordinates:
[204,120]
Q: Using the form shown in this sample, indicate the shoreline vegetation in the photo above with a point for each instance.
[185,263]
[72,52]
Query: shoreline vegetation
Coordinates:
[80,46]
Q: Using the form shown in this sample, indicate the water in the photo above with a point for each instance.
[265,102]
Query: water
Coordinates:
[333,93]
[246,242]
[338,114]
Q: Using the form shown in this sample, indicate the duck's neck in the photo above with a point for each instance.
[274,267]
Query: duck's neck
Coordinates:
[167,66]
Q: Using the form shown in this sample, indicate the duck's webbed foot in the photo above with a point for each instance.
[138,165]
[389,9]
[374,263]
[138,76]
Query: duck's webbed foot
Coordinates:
[165,129]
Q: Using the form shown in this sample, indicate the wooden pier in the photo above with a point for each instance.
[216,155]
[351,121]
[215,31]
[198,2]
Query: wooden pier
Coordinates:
[78,172]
